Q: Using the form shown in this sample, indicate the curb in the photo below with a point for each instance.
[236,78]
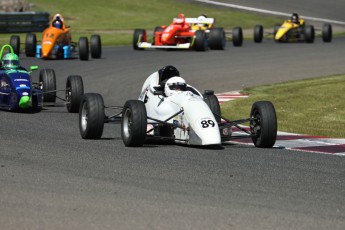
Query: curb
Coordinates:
[292,141]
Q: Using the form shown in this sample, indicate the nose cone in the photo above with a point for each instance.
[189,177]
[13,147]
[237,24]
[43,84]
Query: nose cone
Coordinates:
[45,53]
[24,102]
[47,48]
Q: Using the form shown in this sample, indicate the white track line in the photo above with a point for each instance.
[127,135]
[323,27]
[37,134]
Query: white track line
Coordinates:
[267,11]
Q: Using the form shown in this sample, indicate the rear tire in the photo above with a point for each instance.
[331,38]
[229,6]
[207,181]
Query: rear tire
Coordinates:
[134,123]
[139,36]
[258,33]
[74,93]
[309,34]
[83,47]
[96,46]
[217,39]
[213,103]
[157,29]
[30,45]
[275,30]
[237,36]
[200,43]
[15,43]
[91,116]
[48,81]
[327,33]
[264,125]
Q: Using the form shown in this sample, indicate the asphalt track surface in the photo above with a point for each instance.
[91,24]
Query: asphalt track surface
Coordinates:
[52,179]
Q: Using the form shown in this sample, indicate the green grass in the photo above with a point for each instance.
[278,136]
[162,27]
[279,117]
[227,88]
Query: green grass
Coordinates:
[115,20]
[315,106]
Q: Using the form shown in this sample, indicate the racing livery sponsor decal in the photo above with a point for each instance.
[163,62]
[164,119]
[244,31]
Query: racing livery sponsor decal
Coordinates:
[19,79]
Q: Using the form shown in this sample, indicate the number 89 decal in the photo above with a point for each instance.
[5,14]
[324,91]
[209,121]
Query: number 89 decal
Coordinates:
[207,123]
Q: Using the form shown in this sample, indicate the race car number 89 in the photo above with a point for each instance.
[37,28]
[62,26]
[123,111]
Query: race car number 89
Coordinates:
[207,123]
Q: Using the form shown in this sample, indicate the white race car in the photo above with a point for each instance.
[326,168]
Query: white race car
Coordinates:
[170,109]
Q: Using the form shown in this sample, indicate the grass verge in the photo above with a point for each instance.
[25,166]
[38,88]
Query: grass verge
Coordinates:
[314,106]
[115,20]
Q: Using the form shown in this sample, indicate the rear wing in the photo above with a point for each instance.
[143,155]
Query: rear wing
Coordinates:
[200,20]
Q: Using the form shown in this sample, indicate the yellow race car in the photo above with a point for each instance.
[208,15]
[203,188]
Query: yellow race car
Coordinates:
[294,30]
[213,34]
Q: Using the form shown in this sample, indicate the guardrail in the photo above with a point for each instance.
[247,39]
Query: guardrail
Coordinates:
[21,22]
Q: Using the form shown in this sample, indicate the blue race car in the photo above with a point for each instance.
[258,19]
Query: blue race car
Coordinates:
[19,93]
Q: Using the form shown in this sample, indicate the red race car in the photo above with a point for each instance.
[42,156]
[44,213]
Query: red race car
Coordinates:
[181,34]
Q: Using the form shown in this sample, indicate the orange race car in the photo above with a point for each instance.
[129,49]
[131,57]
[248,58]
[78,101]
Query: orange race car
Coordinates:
[57,43]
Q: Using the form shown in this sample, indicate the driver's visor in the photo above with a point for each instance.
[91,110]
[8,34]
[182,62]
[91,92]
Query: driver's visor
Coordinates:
[178,86]
[11,63]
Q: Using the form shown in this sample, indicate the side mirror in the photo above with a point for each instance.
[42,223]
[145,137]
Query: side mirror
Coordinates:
[33,67]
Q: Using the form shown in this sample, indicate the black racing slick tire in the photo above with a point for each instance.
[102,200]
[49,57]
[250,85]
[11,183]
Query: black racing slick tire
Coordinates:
[30,45]
[96,46]
[216,39]
[83,47]
[327,32]
[200,43]
[237,36]
[47,80]
[139,35]
[309,34]
[263,124]
[258,33]
[91,116]
[213,104]
[15,43]
[74,93]
[134,123]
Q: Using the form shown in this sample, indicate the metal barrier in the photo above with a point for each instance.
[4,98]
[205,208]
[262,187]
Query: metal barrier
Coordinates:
[21,22]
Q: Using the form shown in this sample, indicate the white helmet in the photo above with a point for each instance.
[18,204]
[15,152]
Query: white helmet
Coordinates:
[201,17]
[174,85]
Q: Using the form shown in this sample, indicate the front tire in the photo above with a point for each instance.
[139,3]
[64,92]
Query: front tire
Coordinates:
[30,45]
[74,93]
[263,125]
[327,33]
[139,36]
[237,36]
[134,123]
[47,80]
[91,116]
[83,47]
[96,46]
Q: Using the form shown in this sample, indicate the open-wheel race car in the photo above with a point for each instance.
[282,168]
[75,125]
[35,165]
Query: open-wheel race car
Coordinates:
[170,109]
[57,43]
[294,30]
[18,92]
[187,33]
